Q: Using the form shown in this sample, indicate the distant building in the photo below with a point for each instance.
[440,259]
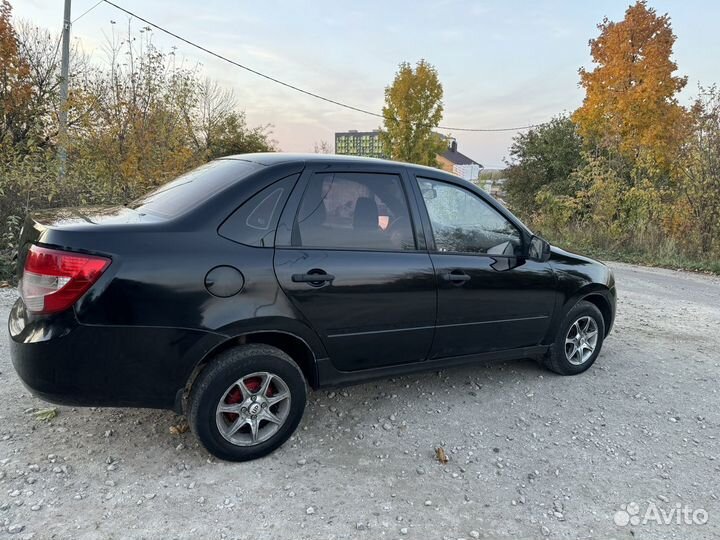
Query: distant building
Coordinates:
[493,182]
[368,144]
[359,143]
[458,163]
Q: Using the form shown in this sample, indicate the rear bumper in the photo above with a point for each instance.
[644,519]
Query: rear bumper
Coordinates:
[64,362]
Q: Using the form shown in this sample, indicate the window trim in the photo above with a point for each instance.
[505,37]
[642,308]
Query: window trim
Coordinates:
[272,213]
[279,206]
[402,179]
[430,233]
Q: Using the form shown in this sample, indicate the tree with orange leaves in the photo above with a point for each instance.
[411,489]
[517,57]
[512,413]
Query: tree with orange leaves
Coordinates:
[630,103]
[15,88]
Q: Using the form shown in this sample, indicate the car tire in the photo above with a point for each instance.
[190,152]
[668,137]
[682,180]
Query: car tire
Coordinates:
[233,422]
[578,341]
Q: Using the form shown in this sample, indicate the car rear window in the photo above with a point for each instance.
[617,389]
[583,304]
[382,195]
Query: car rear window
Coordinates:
[187,191]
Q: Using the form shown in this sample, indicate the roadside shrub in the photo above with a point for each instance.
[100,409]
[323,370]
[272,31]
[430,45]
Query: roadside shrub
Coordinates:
[135,121]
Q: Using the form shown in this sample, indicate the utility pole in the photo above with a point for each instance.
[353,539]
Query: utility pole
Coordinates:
[64,75]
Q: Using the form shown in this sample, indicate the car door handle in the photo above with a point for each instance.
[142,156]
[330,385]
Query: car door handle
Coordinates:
[312,278]
[455,277]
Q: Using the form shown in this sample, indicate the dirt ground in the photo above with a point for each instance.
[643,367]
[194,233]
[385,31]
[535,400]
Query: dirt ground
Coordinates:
[532,454]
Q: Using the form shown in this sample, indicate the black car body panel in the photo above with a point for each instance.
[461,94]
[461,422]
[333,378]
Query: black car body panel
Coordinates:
[138,335]
[380,309]
[580,277]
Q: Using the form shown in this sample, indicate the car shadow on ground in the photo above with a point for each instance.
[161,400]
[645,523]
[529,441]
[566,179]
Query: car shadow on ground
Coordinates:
[138,435]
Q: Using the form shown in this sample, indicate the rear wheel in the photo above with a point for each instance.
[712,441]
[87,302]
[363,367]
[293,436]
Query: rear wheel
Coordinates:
[579,340]
[247,402]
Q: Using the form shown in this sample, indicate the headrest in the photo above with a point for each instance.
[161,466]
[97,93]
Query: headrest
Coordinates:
[366,214]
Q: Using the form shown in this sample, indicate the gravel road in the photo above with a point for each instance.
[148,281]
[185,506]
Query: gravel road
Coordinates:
[532,454]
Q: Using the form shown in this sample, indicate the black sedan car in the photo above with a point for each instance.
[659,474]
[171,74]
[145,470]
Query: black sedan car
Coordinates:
[227,292]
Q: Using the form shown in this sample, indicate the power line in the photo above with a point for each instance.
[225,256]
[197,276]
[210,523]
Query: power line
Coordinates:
[288,85]
[76,19]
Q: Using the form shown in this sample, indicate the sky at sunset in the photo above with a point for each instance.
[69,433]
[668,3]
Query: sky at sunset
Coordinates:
[502,64]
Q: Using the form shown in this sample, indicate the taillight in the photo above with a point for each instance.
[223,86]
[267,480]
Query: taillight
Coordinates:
[53,280]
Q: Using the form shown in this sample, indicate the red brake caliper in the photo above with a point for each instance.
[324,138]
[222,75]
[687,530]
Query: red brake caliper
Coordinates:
[235,395]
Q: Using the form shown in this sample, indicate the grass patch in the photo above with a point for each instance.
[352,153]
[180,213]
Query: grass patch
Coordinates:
[644,248]
[673,263]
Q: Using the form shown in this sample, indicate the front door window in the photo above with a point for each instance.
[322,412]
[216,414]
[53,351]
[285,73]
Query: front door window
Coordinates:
[463,223]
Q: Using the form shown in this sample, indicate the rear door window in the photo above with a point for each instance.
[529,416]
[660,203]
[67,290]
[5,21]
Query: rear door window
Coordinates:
[255,222]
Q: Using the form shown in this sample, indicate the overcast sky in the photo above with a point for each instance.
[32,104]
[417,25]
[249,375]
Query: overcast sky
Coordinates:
[502,63]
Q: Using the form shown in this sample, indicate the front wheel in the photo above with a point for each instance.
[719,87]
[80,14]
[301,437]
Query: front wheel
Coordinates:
[247,402]
[579,340]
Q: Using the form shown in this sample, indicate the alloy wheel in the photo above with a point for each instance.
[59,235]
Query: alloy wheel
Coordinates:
[253,409]
[581,340]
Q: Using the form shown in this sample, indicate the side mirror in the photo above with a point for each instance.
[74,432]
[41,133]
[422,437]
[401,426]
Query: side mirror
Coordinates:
[538,250]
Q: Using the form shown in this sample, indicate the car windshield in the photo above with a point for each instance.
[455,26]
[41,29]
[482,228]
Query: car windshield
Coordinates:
[187,191]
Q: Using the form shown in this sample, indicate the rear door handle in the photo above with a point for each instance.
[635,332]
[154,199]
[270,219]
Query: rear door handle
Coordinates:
[312,278]
[455,276]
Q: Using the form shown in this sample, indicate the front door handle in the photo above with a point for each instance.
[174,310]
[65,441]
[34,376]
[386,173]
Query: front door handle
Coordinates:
[313,277]
[456,277]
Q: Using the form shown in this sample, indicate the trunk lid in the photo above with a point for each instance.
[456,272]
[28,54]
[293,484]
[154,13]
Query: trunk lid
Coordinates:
[59,226]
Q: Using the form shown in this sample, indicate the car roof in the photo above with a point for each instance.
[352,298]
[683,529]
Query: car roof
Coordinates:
[274,158]
[277,158]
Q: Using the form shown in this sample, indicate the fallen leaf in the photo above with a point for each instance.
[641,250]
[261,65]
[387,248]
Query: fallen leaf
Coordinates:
[45,415]
[179,429]
[441,455]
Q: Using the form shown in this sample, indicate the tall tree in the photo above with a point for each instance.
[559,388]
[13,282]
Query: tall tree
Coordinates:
[630,102]
[699,166]
[150,118]
[15,88]
[221,130]
[39,50]
[413,108]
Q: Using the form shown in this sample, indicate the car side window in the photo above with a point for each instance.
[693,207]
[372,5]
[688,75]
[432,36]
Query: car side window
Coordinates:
[354,211]
[254,223]
[464,223]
